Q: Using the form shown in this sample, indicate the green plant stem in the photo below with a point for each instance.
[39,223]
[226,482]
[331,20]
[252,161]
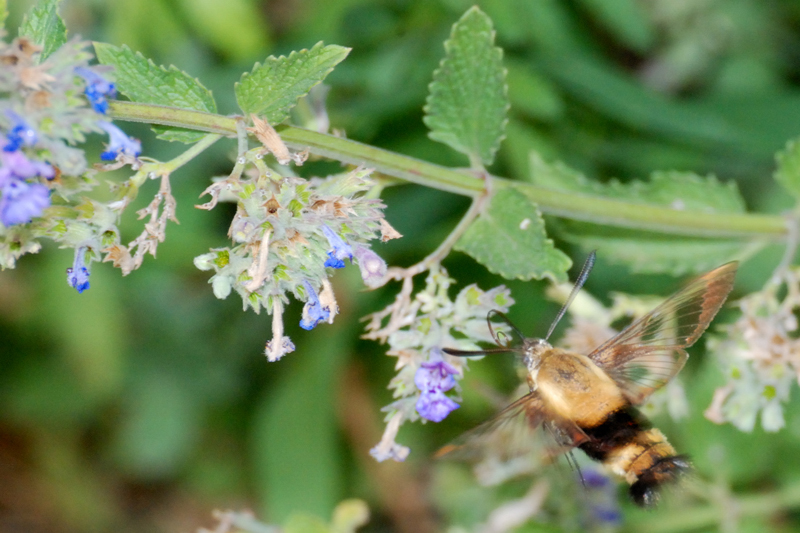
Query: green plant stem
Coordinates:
[436,257]
[569,205]
[196,149]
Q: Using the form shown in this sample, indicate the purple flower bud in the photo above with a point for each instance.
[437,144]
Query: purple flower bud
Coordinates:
[340,249]
[435,406]
[313,312]
[118,143]
[97,89]
[22,201]
[373,268]
[21,134]
[78,274]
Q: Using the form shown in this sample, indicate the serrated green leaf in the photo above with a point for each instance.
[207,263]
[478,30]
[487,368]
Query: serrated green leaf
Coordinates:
[645,251]
[143,81]
[788,171]
[684,191]
[44,26]
[271,90]
[509,239]
[467,104]
[655,253]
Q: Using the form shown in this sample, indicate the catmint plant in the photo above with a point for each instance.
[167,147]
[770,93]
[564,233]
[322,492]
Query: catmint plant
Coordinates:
[49,105]
[416,329]
[291,232]
[760,356]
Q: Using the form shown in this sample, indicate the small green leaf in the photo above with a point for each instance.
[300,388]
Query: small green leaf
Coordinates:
[271,90]
[646,251]
[683,191]
[509,239]
[44,26]
[788,171]
[655,253]
[143,81]
[468,100]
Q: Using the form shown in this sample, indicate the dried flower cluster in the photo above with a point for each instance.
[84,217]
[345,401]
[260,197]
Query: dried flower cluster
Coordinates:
[760,355]
[416,331]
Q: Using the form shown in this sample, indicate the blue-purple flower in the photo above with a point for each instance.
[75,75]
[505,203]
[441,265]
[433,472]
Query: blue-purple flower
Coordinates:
[373,268]
[22,201]
[97,89]
[433,379]
[313,311]
[118,143]
[601,498]
[435,406]
[78,274]
[340,250]
[15,165]
[21,133]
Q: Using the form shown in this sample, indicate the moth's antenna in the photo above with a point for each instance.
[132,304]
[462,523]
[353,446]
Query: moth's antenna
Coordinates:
[587,267]
[471,353]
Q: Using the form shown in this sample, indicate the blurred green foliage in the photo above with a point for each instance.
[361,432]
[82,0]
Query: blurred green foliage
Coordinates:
[145,403]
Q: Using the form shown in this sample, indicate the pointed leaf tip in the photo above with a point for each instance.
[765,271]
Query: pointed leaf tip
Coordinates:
[271,90]
[468,100]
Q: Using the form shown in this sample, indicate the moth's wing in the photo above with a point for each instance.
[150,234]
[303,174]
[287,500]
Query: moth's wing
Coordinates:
[649,353]
[524,428]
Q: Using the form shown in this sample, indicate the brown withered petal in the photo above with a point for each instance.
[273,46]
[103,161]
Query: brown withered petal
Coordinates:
[298,238]
[35,77]
[388,232]
[38,100]
[27,47]
[120,257]
[272,205]
[270,139]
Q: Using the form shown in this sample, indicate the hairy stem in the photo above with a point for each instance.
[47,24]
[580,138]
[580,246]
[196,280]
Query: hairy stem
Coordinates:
[570,205]
[196,149]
